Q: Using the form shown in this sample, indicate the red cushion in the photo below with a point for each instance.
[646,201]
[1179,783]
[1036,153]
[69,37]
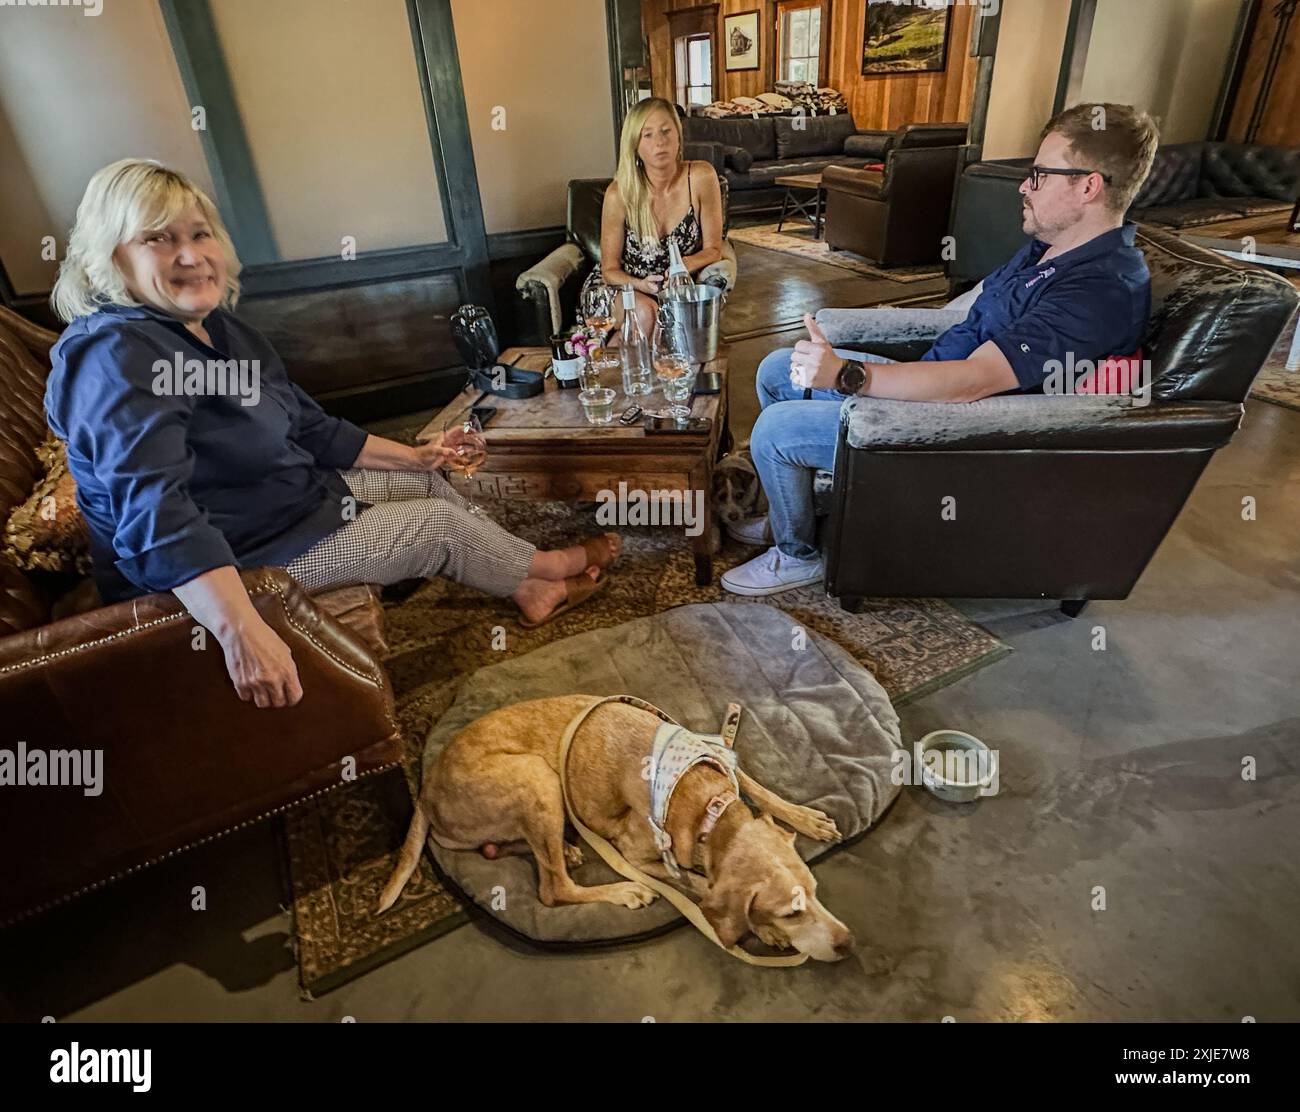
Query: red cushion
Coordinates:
[1116,374]
[874,166]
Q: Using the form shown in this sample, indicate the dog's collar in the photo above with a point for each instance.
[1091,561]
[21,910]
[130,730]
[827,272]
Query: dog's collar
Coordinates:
[712,813]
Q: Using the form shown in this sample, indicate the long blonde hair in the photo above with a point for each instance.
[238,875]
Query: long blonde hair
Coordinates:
[633,185]
[121,201]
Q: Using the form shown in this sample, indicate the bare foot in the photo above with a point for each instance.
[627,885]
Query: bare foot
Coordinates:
[537,598]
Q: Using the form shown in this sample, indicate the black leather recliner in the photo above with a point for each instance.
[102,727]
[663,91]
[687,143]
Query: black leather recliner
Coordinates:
[1061,497]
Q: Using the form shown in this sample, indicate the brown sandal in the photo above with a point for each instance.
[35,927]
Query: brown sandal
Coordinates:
[601,551]
[577,590]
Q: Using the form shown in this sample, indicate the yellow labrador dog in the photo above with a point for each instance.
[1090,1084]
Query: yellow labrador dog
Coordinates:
[495,789]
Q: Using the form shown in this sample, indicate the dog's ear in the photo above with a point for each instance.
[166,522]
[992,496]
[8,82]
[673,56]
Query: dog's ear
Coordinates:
[726,907]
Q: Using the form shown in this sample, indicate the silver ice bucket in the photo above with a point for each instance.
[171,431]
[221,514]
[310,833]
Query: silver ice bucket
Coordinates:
[696,322]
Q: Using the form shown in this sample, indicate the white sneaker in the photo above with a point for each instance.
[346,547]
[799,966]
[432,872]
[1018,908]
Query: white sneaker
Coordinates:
[772,573]
[756,531]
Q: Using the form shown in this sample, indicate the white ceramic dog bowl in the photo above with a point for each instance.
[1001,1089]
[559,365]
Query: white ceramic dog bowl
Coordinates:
[950,784]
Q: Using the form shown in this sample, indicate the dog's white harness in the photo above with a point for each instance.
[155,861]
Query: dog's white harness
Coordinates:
[676,750]
[625,868]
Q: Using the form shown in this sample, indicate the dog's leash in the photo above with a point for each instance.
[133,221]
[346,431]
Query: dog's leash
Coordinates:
[625,868]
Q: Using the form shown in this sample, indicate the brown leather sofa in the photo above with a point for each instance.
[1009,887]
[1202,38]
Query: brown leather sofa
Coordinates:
[1059,497]
[184,760]
[897,216]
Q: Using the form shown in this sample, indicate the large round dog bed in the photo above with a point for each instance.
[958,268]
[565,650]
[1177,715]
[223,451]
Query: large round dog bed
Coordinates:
[817,729]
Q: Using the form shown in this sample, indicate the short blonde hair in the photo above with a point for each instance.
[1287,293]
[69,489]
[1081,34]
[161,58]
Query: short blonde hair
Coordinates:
[121,201]
[1118,140]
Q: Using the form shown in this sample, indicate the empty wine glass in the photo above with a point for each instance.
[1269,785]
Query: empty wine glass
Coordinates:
[464,434]
[672,367]
[598,308]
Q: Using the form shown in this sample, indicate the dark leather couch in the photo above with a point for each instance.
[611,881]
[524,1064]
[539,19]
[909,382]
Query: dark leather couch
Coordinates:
[897,216]
[184,760]
[751,153]
[1060,497]
[548,290]
[1190,185]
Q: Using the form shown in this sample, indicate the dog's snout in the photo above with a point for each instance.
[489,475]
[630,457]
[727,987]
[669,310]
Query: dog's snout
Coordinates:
[844,947]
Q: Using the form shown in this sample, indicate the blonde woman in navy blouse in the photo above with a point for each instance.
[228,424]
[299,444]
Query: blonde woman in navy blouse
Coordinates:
[180,488]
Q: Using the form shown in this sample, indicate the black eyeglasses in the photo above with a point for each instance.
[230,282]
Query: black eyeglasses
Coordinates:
[1036,174]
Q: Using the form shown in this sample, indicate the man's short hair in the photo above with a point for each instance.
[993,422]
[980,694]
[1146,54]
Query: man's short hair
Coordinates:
[1116,139]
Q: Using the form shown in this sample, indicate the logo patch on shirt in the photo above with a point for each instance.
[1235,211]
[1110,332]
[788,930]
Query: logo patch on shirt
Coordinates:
[1039,277]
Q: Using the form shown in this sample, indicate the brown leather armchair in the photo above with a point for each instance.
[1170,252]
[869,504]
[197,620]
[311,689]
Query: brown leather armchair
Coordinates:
[897,216]
[184,760]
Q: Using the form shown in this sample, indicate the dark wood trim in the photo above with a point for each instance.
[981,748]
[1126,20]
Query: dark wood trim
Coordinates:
[1074,53]
[984,46]
[331,272]
[1235,71]
[434,34]
[824,53]
[615,12]
[8,295]
[411,394]
[534,242]
[202,64]
[709,20]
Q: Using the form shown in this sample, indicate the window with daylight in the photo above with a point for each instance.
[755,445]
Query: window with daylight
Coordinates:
[694,69]
[800,41]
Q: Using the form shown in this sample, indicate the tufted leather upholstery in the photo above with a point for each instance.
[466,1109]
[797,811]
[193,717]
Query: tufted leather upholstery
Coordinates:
[185,759]
[1200,183]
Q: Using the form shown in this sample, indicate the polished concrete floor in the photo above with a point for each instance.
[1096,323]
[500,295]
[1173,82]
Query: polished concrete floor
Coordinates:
[1121,782]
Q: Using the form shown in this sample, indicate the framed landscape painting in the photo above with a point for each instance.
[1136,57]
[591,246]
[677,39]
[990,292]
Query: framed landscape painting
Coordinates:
[905,38]
[740,41]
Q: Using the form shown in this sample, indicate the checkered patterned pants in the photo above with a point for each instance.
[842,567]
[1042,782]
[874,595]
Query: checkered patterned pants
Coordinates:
[417,528]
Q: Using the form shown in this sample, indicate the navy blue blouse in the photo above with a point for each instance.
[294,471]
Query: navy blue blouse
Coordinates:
[174,482]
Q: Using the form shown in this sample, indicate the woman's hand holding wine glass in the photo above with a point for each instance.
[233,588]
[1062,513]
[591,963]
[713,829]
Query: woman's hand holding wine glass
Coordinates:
[462,438]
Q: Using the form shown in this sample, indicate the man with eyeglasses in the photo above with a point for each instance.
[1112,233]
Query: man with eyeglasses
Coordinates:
[1079,287]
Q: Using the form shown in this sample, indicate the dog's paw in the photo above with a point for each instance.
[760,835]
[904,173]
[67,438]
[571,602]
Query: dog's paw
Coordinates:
[633,895]
[572,855]
[817,825]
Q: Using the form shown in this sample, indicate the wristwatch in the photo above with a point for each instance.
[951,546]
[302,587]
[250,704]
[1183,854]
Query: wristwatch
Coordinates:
[852,377]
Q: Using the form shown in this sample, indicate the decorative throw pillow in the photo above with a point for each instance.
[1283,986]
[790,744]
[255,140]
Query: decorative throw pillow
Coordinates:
[47,532]
[738,159]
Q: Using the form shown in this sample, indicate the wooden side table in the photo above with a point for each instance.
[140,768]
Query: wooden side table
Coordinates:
[802,183]
[543,449]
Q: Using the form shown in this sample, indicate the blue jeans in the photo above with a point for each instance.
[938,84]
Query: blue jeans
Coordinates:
[792,440]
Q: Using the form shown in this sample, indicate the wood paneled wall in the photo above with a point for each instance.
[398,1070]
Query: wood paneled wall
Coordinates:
[889,101]
[886,101]
[746,83]
[1280,125]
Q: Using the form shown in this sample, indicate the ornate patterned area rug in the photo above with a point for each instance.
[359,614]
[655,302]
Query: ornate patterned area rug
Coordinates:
[341,848]
[793,240]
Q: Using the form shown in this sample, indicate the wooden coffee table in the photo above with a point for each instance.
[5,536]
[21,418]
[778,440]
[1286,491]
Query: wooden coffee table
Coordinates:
[804,182]
[542,449]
